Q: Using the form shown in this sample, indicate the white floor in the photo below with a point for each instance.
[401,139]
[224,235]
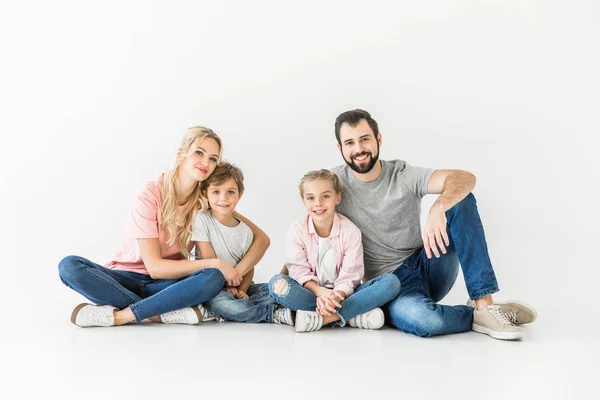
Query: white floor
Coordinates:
[53,357]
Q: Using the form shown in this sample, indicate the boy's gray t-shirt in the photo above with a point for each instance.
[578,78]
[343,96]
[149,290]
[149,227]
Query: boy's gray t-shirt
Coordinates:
[387,211]
[229,243]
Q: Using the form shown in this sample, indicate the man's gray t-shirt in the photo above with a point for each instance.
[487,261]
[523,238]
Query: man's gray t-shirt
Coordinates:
[387,211]
[229,243]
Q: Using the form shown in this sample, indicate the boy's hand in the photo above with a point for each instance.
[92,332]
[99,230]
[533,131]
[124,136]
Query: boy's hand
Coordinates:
[241,295]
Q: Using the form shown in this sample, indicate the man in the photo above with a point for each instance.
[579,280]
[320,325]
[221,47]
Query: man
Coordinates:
[383,198]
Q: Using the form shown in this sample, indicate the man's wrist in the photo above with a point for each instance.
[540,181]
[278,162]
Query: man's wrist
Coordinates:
[437,207]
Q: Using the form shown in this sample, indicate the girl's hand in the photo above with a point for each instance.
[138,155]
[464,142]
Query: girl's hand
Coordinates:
[327,302]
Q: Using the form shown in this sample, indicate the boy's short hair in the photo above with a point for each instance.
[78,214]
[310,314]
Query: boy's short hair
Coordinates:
[222,173]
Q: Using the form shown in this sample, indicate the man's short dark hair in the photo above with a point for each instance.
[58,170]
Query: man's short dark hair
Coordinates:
[353,118]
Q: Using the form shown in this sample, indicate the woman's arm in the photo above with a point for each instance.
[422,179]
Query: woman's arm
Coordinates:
[207,252]
[257,250]
[160,268]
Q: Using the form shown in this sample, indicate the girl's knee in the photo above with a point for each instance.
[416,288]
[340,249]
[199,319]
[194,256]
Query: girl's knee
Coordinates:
[279,285]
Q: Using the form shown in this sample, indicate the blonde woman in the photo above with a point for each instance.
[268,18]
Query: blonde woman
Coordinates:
[151,275]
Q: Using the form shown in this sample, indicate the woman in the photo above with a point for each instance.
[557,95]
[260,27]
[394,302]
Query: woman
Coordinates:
[150,276]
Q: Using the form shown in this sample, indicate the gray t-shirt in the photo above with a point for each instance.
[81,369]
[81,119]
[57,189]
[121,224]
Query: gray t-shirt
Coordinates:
[229,243]
[387,211]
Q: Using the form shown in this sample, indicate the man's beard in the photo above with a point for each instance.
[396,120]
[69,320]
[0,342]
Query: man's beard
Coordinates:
[366,167]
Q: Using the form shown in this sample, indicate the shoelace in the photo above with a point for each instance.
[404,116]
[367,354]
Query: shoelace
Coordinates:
[100,318]
[208,316]
[499,315]
[511,316]
[174,316]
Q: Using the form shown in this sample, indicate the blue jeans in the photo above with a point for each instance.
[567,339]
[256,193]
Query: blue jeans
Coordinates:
[258,308]
[147,297]
[367,296]
[427,281]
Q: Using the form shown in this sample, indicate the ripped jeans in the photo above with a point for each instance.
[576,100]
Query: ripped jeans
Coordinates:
[371,294]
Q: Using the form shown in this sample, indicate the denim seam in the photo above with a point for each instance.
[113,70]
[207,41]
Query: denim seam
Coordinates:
[118,287]
[484,292]
[188,279]
[270,316]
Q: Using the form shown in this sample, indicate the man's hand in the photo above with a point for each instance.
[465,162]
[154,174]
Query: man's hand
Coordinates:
[434,234]
[241,295]
[232,290]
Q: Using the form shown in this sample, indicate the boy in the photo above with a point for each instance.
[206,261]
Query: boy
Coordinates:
[217,233]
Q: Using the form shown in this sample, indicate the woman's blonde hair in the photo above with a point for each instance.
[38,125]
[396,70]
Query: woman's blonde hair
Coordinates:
[323,174]
[179,227]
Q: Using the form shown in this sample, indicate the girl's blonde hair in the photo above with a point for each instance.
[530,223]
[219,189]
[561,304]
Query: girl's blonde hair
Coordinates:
[179,227]
[323,174]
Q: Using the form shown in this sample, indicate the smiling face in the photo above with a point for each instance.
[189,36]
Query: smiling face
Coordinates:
[359,146]
[223,197]
[202,161]
[320,198]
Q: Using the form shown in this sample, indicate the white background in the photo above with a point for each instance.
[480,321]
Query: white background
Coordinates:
[96,96]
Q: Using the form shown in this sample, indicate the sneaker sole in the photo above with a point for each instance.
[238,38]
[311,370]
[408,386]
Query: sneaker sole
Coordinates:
[522,304]
[76,311]
[496,334]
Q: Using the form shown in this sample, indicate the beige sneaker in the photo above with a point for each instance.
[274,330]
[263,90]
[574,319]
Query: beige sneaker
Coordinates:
[516,311]
[492,321]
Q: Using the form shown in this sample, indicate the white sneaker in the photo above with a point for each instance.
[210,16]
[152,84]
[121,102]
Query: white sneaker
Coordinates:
[308,321]
[372,319]
[208,316]
[188,316]
[283,316]
[86,315]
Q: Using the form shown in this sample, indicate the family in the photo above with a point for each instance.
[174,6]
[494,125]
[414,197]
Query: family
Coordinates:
[358,257]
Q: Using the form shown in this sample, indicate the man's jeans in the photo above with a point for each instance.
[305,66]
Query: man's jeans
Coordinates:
[426,281]
[258,308]
[367,296]
[147,297]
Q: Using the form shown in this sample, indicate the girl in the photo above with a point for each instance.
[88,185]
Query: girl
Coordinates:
[324,258]
[150,275]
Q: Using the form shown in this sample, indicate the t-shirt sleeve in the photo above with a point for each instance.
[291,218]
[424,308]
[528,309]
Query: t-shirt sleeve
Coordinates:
[417,179]
[143,218]
[200,228]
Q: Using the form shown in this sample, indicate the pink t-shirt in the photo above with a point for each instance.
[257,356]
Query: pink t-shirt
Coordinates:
[143,223]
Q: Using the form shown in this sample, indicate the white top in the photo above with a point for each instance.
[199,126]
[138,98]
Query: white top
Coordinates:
[326,271]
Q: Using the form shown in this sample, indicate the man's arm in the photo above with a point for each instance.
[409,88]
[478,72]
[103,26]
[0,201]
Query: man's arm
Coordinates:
[452,186]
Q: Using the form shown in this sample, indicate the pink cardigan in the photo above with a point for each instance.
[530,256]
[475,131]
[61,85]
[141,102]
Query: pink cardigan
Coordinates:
[302,252]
